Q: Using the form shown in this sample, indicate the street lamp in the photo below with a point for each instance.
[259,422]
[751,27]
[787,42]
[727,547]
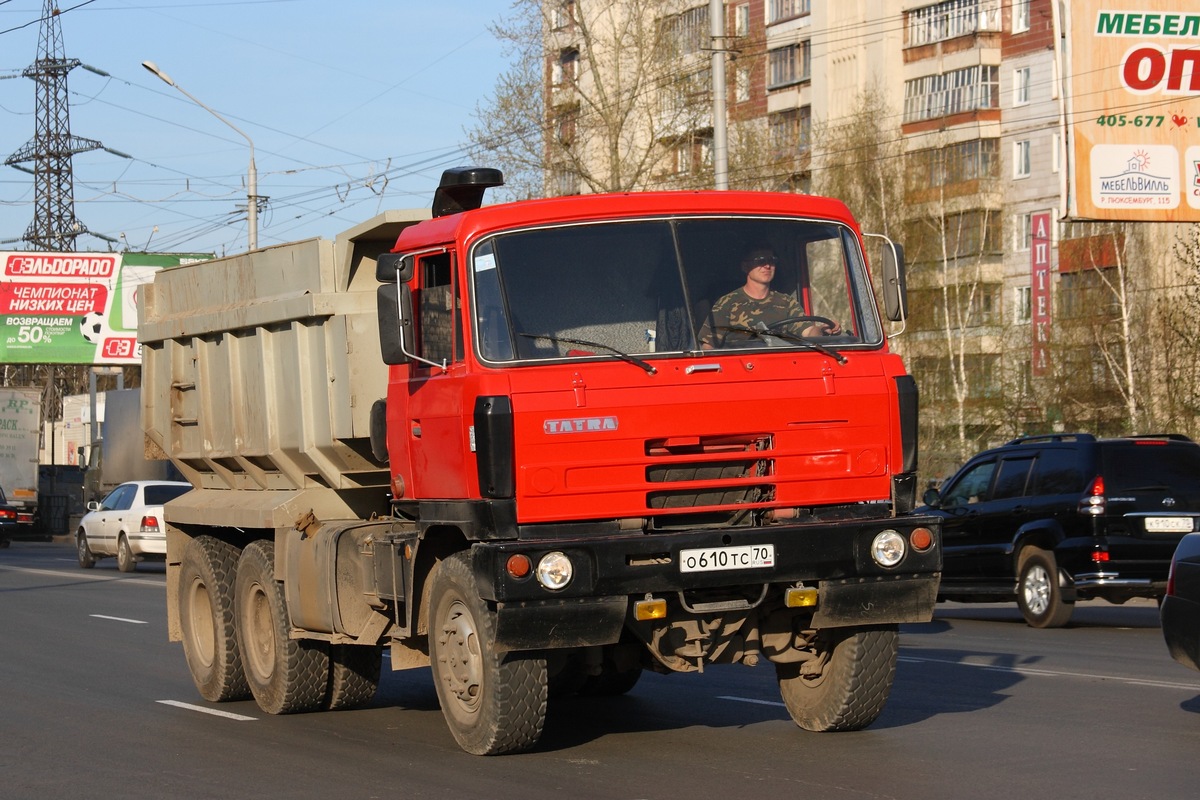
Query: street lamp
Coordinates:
[252,175]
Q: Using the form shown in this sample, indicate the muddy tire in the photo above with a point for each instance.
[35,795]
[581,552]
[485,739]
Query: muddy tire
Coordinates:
[353,675]
[1039,595]
[854,685]
[493,703]
[126,562]
[205,602]
[286,676]
[82,552]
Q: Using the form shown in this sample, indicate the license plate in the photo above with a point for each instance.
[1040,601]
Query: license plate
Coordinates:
[1168,524]
[715,559]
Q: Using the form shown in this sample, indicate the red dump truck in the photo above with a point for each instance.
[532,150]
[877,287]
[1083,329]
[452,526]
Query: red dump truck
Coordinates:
[515,444]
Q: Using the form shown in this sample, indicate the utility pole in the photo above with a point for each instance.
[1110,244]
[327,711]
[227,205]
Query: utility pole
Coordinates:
[54,227]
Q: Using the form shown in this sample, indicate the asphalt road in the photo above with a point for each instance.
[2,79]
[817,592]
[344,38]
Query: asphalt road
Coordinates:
[95,702]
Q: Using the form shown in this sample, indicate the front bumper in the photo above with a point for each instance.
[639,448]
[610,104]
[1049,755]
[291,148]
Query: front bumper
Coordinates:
[609,571]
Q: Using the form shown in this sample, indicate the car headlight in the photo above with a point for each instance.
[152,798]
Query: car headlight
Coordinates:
[554,571]
[888,548]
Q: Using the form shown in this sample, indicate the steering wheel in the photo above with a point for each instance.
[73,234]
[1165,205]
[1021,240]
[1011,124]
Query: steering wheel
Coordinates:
[790,320]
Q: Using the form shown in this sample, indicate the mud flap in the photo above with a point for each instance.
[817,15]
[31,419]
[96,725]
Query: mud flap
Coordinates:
[539,625]
[881,601]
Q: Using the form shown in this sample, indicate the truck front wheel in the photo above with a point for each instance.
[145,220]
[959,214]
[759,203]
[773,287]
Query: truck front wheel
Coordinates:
[205,602]
[853,685]
[493,702]
[286,675]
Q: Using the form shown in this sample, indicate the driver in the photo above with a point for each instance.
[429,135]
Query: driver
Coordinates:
[754,305]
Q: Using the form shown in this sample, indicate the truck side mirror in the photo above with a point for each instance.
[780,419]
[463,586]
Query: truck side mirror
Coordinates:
[895,290]
[394,302]
[390,266]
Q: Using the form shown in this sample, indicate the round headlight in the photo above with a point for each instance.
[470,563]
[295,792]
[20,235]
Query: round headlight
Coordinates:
[555,570]
[888,548]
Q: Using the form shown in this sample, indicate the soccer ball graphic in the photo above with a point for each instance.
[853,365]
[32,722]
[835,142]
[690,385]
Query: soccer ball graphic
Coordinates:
[92,326]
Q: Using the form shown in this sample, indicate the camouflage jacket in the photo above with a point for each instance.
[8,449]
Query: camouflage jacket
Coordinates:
[739,310]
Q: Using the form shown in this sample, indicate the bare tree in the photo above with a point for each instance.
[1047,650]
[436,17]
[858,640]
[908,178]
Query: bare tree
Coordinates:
[599,96]
[1102,333]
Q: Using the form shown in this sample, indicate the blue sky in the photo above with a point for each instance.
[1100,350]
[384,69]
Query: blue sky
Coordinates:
[354,107]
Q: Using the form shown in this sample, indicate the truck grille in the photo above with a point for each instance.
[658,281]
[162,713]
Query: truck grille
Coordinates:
[711,480]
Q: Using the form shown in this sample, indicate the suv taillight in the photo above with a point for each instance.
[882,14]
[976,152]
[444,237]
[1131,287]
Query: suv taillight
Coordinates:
[1171,579]
[1093,502]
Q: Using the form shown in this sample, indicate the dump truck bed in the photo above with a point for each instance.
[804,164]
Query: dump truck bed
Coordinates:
[260,371]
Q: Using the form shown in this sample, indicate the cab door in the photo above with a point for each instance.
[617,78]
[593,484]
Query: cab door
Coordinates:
[426,411]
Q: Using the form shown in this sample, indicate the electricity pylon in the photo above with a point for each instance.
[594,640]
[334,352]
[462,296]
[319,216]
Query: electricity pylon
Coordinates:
[54,225]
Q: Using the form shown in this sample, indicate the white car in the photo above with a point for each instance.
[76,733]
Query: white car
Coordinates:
[128,524]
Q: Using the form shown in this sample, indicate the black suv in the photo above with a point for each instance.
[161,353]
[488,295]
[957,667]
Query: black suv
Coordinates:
[1054,519]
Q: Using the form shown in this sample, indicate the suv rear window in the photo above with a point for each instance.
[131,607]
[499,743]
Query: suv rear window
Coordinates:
[1129,466]
[1058,472]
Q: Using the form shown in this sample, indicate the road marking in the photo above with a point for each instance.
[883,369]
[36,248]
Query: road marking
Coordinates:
[83,576]
[119,619]
[204,710]
[1050,673]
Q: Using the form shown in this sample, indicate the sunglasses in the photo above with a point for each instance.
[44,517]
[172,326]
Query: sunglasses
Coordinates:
[762,261]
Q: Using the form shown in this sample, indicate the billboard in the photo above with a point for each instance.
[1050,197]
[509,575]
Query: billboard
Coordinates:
[75,308]
[1133,110]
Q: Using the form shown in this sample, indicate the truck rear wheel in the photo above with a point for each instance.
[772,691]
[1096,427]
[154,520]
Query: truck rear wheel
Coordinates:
[493,702]
[852,688]
[353,675]
[205,601]
[286,675]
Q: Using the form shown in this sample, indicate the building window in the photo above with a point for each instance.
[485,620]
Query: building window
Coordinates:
[688,95]
[563,181]
[1020,16]
[1022,231]
[563,15]
[1021,86]
[741,20]
[741,85]
[788,65]
[947,93]
[779,10]
[689,31]
[566,68]
[1021,159]
[1024,304]
[951,19]
[971,160]
[790,132]
[1055,152]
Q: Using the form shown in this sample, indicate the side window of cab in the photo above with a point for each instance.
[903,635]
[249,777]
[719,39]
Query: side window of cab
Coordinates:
[438,309]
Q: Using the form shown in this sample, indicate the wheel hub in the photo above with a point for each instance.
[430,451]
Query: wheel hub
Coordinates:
[1037,590]
[461,656]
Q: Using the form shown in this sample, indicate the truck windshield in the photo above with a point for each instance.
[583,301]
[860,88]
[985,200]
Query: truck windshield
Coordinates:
[671,286]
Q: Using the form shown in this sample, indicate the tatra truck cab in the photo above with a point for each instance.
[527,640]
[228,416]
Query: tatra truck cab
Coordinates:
[530,446]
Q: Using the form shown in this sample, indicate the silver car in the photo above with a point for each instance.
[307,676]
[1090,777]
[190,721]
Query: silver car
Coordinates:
[127,524]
